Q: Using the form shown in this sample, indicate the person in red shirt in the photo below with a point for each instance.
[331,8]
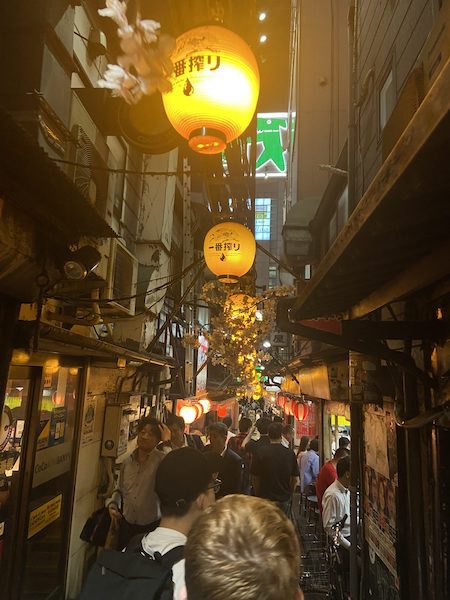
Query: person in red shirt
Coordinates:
[328,474]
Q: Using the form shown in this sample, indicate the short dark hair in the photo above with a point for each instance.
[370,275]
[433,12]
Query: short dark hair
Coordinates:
[154,424]
[304,441]
[244,424]
[344,442]
[181,477]
[341,453]
[343,466]
[262,425]
[176,420]
[227,421]
[314,445]
[286,429]
[275,431]
[219,428]
[277,419]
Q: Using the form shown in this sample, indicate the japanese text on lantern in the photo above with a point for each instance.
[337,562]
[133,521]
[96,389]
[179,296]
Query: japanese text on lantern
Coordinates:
[196,64]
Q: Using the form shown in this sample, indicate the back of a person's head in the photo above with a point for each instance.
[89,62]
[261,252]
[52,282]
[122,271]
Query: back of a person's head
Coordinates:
[314,445]
[242,547]
[344,442]
[277,419]
[262,425]
[219,427]
[274,431]
[227,421]
[177,421]
[181,477]
[286,430]
[343,466]
[341,453]
[244,425]
[304,441]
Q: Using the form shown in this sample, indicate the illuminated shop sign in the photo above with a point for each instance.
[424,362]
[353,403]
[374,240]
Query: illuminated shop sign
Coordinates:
[272,141]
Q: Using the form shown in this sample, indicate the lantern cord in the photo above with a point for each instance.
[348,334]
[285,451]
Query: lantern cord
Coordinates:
[177,305]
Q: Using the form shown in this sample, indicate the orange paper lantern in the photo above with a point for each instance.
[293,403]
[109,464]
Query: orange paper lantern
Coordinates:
[206,404]
[215,88]
[229,250]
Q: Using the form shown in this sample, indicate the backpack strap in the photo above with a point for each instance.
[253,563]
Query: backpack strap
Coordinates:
[172,556]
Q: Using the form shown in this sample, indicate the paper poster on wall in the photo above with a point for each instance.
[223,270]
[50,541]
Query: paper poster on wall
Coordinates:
[376,441]
[87,432]
[57,426]
[44,433]
[380,484]
[45,514]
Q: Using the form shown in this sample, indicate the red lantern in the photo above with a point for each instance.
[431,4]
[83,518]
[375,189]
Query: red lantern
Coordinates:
[300,411]
[222,411]
[288,405]
[281,401]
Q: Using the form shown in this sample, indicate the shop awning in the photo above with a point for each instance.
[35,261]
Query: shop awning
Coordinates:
[65,342]
[397,239]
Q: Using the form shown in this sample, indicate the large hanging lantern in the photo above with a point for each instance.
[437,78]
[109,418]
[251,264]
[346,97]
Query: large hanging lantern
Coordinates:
[229,250]
[215,88]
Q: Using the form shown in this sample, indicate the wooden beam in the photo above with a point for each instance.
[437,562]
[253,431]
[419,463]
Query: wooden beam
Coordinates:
[422,273]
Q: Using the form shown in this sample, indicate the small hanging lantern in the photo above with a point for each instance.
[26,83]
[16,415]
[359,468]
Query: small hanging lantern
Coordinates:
[215,88]
[300,411]
[229,250]
[189,413]
[206,404]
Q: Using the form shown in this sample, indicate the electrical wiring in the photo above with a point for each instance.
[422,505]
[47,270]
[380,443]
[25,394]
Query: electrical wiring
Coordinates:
[121,171]
[102,302]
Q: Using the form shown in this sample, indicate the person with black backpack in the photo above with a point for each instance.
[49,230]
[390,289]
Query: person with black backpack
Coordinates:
[152,566]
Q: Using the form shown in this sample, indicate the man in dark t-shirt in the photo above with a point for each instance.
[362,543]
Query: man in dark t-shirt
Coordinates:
[275,470]
[252,446]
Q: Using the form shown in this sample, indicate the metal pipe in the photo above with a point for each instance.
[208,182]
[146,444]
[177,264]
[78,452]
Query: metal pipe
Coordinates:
[355,408]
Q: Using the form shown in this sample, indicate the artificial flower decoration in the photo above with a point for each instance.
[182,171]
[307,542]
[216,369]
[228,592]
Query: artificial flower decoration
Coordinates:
[145,64]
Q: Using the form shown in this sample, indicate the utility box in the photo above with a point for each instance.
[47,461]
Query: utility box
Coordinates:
[115,430]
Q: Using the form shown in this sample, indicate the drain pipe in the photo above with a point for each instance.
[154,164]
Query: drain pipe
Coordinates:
[355,407]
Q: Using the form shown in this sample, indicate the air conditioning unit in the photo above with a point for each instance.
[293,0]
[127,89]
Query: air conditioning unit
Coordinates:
[279,339]
[436,50]
[92,182]
[122,281]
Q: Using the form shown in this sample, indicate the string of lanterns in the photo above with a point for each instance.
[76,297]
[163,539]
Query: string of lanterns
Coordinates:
[292,406]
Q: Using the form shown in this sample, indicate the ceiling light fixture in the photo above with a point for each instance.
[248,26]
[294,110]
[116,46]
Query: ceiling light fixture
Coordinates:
[262,16]
[263,38]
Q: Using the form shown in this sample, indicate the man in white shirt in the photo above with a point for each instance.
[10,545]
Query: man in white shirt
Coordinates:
[336,503]
[185,488]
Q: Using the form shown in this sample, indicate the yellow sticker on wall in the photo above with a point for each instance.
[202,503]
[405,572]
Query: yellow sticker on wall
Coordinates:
[44,515]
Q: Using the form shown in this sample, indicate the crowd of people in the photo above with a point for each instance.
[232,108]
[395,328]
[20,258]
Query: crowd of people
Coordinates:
[216,515]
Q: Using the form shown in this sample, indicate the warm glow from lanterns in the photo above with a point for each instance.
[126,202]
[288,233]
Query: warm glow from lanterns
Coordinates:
[229,250]
[206,404]
[189,413]
[20,357]
[241,306]
[215,88]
